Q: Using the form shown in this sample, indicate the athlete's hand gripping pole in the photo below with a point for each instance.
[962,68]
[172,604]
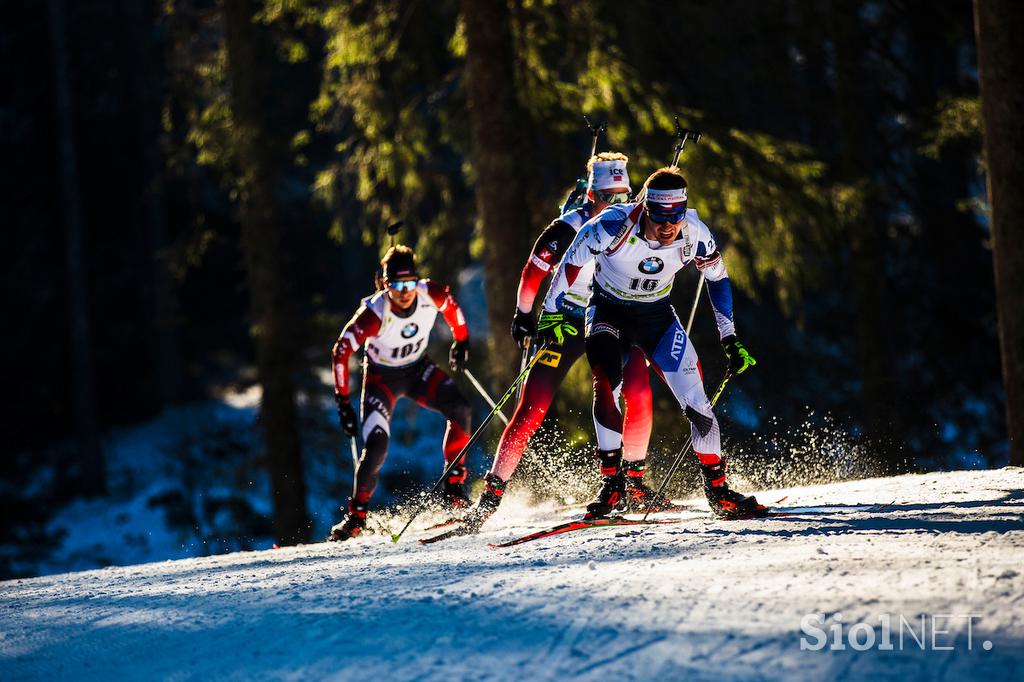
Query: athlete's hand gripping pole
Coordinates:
[395,537]
[689,443]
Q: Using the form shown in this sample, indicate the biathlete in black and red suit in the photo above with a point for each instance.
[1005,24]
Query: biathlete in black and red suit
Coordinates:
[609,185]
[394,324]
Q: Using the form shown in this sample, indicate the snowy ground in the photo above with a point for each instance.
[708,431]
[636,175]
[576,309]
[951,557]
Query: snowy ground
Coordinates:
[699,600]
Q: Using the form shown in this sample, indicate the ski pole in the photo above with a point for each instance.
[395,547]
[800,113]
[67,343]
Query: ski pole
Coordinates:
[483,394]
[523,359]
[689,443]
[355,465]
[476,434]
[696,300]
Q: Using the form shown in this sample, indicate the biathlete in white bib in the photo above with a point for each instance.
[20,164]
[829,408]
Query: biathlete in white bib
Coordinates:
[394,325]
[638,248]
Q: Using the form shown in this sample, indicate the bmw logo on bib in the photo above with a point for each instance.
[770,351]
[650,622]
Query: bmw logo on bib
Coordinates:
[409,330]
[651,266]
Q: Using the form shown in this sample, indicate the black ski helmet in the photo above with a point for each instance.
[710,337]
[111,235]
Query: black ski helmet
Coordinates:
[399,263]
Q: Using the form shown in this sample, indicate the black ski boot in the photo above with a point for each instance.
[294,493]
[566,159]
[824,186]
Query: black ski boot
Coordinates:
[485,507]
[612,494]
[725,502]
[454,493]
[352,525]
[640,497]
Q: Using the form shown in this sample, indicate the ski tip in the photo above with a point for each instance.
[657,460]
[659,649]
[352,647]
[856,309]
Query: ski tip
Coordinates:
[395,537]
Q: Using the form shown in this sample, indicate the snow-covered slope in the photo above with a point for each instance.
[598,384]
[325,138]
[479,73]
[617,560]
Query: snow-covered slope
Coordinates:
[699,600]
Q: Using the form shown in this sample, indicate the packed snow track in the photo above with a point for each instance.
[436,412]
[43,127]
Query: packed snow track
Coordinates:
[929,588]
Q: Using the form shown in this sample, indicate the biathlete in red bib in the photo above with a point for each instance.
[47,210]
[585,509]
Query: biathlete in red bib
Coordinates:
[394,326]
[609,186]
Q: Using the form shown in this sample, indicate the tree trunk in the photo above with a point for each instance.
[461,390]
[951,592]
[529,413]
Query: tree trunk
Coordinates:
[91,477]
[864,226]
[273,326]
[502,188]
[1001,70]
[148,79]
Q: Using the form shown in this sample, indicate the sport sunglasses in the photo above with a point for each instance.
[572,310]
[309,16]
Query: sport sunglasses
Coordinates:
[403,285]
[661,218]
[612,197]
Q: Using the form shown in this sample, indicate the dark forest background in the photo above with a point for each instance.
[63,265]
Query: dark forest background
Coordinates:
[196,192]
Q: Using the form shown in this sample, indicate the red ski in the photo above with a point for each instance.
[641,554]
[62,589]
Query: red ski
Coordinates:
[580,525]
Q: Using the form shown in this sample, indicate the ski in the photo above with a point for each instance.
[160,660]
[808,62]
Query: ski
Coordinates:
[454,532]
[580,524]
[831,509]
[443,524]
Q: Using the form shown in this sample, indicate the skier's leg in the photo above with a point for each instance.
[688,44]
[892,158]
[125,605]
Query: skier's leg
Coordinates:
[604,351]
[539,388]
[606,343]
[437,391]
[376,405]
[677,363]
[636,395]
[378,401]
[544,378]
[636,433]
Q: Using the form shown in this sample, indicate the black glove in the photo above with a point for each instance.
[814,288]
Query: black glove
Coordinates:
[523,327]
[458,356]
[740,358]
[347,415]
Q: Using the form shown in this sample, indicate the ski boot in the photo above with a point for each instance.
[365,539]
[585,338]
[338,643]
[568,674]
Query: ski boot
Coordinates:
[612,494]
[454,494]
[726,503]
[352,525]
[485,507]
[640,497]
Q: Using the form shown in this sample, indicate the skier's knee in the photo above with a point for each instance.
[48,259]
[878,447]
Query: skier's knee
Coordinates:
[702,422]
[375,421]
[376,448]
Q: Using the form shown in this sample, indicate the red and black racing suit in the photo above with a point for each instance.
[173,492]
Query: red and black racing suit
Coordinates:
[417,377]
[554,363]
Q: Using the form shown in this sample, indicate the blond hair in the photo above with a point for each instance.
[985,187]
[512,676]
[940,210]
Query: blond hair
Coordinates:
[606,156]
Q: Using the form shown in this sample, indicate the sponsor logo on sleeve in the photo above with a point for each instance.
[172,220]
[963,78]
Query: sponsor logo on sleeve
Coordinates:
[539,263]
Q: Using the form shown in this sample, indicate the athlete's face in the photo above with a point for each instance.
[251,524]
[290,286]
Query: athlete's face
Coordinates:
[664,232]
[402,293]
